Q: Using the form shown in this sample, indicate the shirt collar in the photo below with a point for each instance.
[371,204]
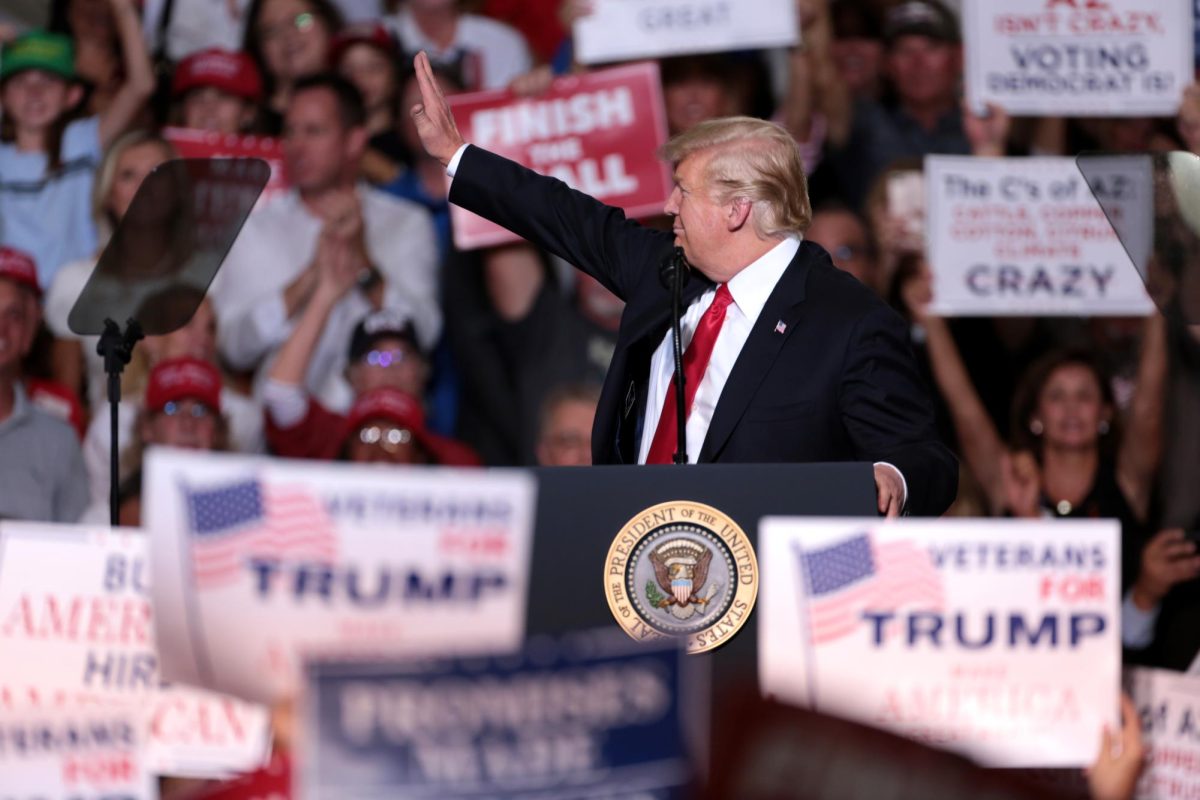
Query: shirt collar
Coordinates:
[753,285]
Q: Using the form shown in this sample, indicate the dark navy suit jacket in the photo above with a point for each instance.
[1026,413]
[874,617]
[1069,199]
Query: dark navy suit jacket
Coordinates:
[836,381]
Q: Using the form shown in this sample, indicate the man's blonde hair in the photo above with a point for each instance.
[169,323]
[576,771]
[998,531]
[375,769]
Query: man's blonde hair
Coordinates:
[755,160]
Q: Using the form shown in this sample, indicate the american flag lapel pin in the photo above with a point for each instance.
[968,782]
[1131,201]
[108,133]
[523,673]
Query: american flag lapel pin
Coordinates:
[781,327]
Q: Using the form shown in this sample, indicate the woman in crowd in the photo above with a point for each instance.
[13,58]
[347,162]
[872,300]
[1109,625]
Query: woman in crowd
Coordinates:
[1070,457]
[288,40]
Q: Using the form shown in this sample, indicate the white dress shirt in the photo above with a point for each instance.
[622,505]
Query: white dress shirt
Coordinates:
[750,289]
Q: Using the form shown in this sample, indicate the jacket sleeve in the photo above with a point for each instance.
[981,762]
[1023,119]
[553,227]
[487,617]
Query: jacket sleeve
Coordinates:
[594,237]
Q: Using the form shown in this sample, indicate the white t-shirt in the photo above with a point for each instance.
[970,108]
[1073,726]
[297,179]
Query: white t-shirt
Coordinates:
[277,244]
[500,50]
[195,25]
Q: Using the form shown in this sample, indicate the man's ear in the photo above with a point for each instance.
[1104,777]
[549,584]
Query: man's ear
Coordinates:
[739,213]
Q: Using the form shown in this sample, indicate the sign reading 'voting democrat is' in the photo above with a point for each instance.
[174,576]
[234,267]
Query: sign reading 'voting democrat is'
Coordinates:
[1168,704]
[1079,57]
[1025,236]
[259,563]
[596,132]
[620,30]
[77,634]
[586,715]
[994,638]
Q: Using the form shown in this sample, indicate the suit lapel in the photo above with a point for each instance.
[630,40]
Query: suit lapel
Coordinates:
[785,305]
[642,331]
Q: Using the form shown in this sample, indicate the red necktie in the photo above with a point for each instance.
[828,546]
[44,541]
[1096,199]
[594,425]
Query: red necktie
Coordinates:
[695,362]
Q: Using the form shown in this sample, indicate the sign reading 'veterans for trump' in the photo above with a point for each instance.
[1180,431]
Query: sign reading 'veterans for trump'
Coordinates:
[597,132]
[77,633]
[1025,236]
[1079,57]
[620,30]
[260,563]
[998,639]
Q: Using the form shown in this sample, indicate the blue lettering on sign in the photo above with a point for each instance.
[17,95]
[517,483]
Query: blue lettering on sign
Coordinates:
[1016,631]
[372,588]
[1011,280]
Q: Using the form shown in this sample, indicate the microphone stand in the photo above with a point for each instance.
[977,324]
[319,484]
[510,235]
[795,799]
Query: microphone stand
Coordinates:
[116,348]
[678,277]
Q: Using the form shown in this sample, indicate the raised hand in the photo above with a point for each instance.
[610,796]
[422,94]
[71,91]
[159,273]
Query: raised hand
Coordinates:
[1168,558]
[435,125]
[1022,483]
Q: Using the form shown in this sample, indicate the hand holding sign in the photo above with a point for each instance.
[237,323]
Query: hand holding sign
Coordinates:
[1115,772]
[435,125]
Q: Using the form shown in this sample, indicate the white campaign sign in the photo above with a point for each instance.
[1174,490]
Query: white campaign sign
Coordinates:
[1129,58]
[76,632]
[260,562]
[620,30]
[1024,236]
[1169,706]
[998,639]
[73,754]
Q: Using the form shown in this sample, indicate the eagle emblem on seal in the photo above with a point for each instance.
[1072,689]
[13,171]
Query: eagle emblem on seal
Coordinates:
[681,571]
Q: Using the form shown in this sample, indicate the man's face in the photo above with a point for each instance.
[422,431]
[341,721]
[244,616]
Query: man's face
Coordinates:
[924,70]
[183,423]
[14,325]
[318,150]
[700,223]
[382,441]
[566,440]
[210,109]
[391,363]
[845,237]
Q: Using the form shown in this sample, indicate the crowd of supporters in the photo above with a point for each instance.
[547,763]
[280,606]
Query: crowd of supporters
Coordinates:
[345,324]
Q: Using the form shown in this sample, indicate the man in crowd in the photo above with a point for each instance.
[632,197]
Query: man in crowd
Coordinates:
[386,371]
[923,64]
[272,271]
[788,358]
[41,468]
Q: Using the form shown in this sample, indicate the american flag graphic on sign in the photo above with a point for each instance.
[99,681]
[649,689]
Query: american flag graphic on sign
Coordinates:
[247,518]
[857,575]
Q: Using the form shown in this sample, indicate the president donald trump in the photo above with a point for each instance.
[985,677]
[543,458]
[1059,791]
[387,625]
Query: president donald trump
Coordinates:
[787,359]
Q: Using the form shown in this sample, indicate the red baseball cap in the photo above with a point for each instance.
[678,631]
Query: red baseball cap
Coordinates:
[18,266]
[221,69]
[183,378]
[400,408]
[372,33]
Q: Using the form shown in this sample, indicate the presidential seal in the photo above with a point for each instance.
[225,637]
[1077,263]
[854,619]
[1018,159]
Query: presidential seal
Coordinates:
[681,569]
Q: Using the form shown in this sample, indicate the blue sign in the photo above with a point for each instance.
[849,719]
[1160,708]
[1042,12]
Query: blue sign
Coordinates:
[588,715]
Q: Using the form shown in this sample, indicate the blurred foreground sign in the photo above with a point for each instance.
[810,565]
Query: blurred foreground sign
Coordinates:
[77,635]
[597,132]
[1169,706]
[586,715]
[997,639]
[620,30]
[73,754]
[259,562]
[1025,237]
[1125,58]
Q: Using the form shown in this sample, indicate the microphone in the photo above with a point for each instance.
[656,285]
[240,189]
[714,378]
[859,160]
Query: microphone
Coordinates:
[674,264]
[674,273]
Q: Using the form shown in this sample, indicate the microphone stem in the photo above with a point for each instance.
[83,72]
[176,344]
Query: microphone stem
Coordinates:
[680,456]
